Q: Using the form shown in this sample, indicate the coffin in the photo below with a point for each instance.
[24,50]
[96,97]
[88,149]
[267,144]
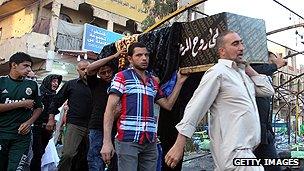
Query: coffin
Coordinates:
[198,37]
[190,45]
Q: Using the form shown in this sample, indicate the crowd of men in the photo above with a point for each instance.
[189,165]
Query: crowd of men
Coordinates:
[111,123]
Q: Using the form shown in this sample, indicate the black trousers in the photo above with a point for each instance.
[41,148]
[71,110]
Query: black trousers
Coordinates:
[267,151]
[41,137]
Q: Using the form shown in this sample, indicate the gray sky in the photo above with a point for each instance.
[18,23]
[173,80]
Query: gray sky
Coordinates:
[275,17]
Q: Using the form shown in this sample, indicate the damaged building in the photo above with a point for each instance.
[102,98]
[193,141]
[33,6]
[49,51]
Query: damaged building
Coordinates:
[52,31]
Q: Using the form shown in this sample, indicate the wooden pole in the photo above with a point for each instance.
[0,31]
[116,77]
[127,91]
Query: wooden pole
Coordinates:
[285,28]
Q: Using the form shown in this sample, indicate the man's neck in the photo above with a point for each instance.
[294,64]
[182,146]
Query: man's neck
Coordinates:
[141,73]
[83,80]
[15,76]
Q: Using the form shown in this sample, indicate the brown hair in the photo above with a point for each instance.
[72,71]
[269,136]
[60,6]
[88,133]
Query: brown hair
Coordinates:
[133,46]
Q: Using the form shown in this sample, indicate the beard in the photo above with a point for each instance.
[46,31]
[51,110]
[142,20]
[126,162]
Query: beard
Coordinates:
[240,60]
[141,68]
[84,77]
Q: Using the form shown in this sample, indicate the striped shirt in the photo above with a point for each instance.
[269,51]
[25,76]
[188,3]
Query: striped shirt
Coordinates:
[137,122]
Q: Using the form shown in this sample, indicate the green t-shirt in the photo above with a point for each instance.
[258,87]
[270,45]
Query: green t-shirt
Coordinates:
[12,91]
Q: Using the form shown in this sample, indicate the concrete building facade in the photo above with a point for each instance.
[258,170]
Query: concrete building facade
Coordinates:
[31,26]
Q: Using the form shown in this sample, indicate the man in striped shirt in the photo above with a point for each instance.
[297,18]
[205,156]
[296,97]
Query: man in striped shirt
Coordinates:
[136,90]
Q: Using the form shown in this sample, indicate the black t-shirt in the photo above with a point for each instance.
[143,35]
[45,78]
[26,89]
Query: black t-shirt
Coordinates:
[79,99]
[264,105]
[100,97]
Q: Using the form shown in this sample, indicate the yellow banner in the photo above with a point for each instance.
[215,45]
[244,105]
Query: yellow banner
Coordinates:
[132,9]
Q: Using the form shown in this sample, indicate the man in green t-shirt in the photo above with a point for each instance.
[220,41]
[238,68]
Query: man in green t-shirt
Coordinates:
[20,106]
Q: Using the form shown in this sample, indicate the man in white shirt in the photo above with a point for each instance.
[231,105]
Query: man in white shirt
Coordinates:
[228,89]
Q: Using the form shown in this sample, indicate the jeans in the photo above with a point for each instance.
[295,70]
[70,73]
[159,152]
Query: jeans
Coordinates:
[159,158]
[95,161]
[136,157]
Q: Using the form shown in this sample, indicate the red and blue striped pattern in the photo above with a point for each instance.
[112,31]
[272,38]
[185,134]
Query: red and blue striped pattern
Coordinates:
[137,122]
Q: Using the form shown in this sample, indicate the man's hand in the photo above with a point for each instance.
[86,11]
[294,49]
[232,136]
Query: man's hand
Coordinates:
[50,126]
[107,152]
[121,52]
[24,128]
[279,61]
[174,155]
[28,104]
[181,78]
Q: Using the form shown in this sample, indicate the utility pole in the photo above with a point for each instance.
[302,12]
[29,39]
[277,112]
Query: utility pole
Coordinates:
[56,6]
[55,12]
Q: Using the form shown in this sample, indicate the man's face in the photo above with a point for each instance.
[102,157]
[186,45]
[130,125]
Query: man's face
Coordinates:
[140,58]
[23,69]
[233,48]
[54,84]
[271,58]
[31,75]
[82,69]
[105,73]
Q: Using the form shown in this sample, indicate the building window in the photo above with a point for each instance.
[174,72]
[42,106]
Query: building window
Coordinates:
[275,79]
[66,18]
[94,24]
[282,79]
[290,84]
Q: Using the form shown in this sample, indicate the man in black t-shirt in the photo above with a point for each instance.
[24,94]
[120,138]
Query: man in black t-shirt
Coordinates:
[266,148]
[20,106]
[79,97]
[104,69]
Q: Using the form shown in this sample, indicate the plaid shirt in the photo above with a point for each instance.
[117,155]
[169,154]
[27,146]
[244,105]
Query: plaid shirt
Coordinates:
[137,122]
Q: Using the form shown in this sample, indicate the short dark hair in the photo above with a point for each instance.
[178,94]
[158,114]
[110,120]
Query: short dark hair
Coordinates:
[133,46]
[110,64]
[271,53]
[19,57]
[220,39]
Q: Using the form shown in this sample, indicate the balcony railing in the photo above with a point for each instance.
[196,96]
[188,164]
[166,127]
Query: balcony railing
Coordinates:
[68,42]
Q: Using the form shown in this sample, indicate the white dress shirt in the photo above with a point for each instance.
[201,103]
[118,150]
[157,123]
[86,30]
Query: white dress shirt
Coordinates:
[234,124]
